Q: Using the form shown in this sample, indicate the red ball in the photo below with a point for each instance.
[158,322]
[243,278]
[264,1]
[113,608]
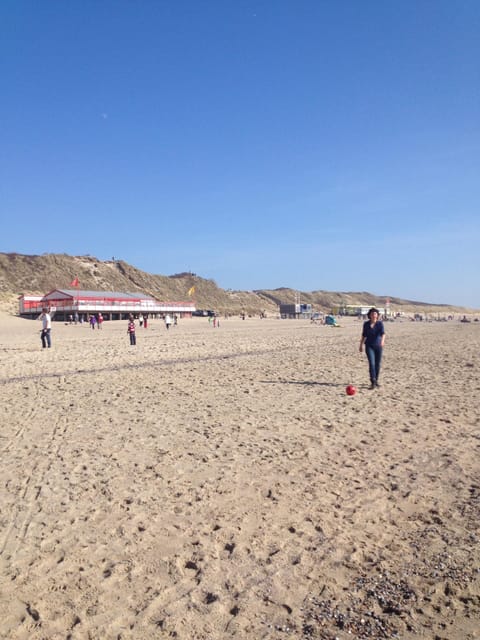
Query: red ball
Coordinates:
[351,390]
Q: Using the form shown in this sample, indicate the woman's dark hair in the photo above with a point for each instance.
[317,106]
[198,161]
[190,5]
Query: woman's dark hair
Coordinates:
[372,310]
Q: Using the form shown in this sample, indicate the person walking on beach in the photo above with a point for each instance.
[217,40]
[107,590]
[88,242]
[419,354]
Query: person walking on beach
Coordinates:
[373,337]
[168,321]
[99,321]
[131,330]
[93,321]
[46,328]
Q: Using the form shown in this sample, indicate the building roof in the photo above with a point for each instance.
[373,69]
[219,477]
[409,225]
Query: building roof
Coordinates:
[101,294]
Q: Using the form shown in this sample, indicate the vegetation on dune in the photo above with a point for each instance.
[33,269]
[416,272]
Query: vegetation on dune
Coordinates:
[37,275]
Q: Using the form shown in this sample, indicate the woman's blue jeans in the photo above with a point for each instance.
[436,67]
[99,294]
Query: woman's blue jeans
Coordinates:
[374,355]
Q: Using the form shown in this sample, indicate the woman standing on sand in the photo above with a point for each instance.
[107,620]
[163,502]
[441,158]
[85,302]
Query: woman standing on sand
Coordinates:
[373,337]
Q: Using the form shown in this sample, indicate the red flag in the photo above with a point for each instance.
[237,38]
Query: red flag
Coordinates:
[74,282]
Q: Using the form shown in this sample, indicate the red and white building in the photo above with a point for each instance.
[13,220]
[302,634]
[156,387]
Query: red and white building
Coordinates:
[113,305]
[30,305]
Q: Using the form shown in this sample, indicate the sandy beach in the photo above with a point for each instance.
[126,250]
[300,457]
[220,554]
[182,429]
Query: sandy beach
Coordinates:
[219,483]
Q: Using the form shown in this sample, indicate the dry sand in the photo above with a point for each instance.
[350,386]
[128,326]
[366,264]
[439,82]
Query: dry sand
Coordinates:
[219,483]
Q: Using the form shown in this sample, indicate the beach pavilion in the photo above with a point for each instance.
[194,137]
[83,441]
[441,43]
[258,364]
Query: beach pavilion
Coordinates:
[113,305]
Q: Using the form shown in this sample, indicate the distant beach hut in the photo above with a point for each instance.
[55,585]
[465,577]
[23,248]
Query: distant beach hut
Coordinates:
[295,310]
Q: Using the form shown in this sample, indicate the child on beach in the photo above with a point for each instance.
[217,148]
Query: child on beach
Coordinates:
[131,330]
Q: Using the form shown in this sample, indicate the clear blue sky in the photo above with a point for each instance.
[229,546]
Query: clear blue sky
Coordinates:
[308,144]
